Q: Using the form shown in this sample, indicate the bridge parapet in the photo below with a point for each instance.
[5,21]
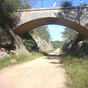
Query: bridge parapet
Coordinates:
[75,14]
[74,18]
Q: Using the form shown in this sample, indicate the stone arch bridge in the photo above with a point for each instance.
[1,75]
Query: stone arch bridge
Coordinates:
[75,18]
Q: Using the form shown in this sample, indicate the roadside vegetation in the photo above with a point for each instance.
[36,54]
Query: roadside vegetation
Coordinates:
[75,56]
[57,44]
[76,64]
[23,44]
[13,59]
[77,70]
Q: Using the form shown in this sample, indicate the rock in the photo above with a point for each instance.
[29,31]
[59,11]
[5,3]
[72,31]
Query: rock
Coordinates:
[14,52]
[7,40]
[83,47]
[43,44]
[3,53]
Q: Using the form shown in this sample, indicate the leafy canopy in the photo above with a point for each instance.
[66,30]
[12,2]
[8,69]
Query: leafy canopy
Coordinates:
[65,3]
[8,17]
[42,32]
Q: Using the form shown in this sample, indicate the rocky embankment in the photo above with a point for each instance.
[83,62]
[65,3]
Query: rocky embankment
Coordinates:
[77,45]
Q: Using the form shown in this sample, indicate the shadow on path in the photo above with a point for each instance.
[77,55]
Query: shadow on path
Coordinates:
[55,59]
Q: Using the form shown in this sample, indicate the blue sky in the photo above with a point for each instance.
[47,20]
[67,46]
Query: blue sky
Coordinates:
[54,30]
[49,3]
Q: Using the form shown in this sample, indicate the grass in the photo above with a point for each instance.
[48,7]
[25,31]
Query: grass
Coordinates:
[6,61]
[77,70]
[32,56]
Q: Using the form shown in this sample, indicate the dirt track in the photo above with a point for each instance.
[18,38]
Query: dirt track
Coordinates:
[40,73]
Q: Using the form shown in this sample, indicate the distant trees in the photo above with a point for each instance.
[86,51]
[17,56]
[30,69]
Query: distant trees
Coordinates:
[69,34]
[42,32]
[42,38]
[9,17]
[65,3]
[25,4]
[8,20]
[57,44]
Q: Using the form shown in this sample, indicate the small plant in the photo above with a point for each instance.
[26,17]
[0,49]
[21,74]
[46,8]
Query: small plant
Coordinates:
[29,44]
[5,61]
[77,70]
[13,59]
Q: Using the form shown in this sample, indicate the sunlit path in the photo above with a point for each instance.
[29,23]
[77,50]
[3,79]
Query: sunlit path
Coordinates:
[40,73]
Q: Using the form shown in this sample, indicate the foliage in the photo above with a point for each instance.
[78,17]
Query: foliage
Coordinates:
[77,70]
[69,34]
[68,13]
[8,17]
[5,61]
[85,4]
[75,44]
[57,44]
[25,4]
[29,43]
[42,32]
[65,3]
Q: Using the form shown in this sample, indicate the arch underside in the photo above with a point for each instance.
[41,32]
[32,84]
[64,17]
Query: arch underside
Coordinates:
[51,20]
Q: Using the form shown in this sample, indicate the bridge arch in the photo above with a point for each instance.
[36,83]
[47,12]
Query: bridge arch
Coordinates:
[51,20]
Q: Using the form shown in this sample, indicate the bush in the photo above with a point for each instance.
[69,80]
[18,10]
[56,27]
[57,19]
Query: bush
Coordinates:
[30,44]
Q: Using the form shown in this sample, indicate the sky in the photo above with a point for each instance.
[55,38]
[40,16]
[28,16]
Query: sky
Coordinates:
[49,3]
[54,30]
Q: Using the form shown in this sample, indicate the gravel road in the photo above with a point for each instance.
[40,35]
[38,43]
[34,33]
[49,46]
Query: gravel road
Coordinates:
[40,73]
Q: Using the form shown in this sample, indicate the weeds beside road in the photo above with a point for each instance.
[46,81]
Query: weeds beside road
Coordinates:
[76,67]
[77,70]
[39,73]
[13,59]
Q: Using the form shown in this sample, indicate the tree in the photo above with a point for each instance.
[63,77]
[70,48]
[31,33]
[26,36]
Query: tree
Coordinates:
[67,13]
[42,38]
[57,44]
[29,42]
[66,3]
[42,32]
[69,34]
[25,5]
[8,16]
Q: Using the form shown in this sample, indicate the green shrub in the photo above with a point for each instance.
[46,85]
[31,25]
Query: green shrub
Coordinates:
[29,44]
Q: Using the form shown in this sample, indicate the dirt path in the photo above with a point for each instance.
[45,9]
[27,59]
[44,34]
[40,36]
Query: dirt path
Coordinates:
[40,73]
